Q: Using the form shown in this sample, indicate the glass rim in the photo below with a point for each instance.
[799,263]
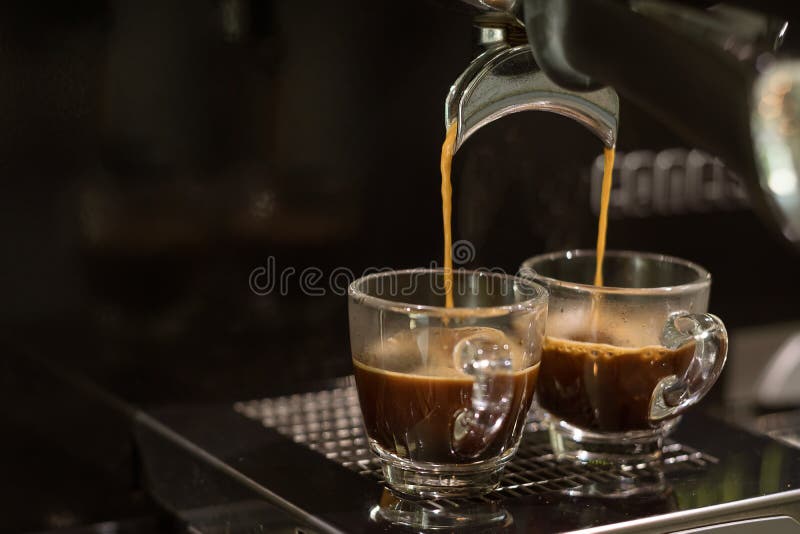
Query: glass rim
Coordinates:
[354,291]
[702,280]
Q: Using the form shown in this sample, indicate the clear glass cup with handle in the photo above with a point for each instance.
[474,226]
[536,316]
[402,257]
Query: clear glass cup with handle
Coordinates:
[444,392]
[622,362]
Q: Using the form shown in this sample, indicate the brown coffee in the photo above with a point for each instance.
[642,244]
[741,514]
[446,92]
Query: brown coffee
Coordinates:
[605,388]
[602,219]
[446,165]
[411,391]
[412,416]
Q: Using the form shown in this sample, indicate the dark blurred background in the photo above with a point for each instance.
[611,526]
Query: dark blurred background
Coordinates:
[153,154]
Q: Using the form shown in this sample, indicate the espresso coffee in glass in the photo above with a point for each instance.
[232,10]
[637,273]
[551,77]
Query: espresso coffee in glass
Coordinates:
[622,361]
[444,391]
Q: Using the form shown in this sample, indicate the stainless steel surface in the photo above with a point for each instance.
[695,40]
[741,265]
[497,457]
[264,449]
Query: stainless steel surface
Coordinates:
[773,505]
[751,352]
[784,426]
[775,525]
[775,124]
[505,80]
[779,383]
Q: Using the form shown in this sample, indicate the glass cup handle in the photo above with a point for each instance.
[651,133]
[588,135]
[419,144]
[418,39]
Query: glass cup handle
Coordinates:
[475,427]
[674,394]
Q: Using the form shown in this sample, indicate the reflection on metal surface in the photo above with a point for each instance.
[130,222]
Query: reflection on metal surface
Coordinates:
[774,122]
[783,426]
[779,384]
[443,514]
[672,181]
[329,422]
[773,525]
[505,80]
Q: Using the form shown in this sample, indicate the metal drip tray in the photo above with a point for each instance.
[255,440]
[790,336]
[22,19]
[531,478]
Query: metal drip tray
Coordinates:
[329,422]
[301,463]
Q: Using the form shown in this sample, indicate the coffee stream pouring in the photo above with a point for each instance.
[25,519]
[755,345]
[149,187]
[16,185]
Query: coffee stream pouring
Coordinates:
[708,74]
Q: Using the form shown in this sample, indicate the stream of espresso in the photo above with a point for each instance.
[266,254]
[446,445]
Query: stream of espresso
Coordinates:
[447,209]
[602,226]
[448,148]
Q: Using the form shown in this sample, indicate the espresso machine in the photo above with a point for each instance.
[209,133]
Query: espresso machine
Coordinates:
[209,142]
[301,462]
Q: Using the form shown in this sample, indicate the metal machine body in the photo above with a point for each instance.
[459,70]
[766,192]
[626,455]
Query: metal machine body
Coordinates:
[710,75]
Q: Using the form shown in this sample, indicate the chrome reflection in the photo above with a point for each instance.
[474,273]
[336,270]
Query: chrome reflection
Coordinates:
[775,124]
[482,513]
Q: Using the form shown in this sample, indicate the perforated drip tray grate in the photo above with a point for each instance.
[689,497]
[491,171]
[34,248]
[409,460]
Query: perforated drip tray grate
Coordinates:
[329,422]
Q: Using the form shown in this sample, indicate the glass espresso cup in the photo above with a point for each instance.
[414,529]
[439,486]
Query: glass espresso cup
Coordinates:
[621,362]
[444,392]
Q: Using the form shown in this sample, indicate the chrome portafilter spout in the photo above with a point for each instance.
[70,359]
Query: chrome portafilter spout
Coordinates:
[506,79]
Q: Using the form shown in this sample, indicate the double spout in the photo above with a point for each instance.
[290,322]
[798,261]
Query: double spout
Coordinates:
[505,78]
